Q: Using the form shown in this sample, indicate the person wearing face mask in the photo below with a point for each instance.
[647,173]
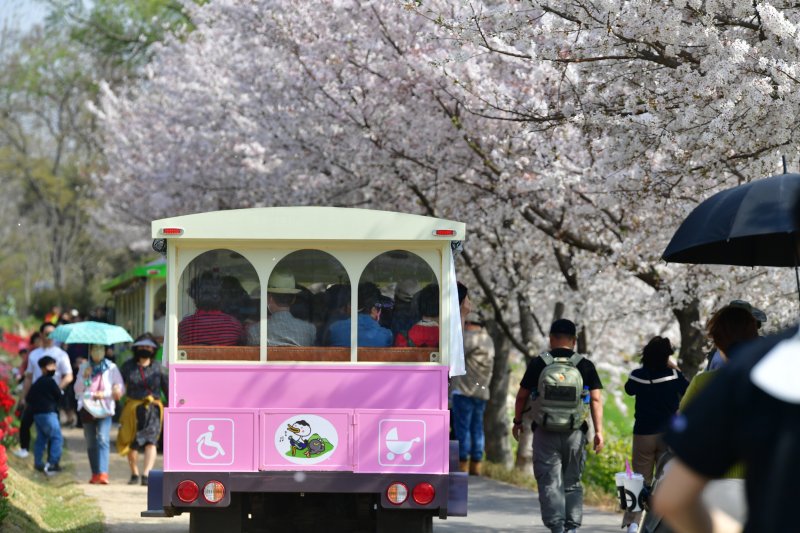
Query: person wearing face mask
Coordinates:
[98,386]
[42,400]
[62,377]
[142,416]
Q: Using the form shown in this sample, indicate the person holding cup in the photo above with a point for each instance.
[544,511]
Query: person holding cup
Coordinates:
[658,387]
[98,387]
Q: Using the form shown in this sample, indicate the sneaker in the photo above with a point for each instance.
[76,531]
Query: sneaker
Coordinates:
[102,478]
[95,479]
[51,470]
[22,453]
[574,530]
[633,528]
[144,480]
[39,468]
[134,480]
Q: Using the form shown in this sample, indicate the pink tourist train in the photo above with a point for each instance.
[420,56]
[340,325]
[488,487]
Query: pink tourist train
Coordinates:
[297,400]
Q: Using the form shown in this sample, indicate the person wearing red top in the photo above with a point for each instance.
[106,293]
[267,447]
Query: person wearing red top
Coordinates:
[426,331]
[209,325]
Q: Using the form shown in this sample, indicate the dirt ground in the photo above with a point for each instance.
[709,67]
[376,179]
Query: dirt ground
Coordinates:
[121,503]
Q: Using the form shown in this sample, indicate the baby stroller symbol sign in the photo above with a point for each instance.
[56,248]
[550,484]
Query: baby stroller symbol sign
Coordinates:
[397,446]
[401,442]
[210,441]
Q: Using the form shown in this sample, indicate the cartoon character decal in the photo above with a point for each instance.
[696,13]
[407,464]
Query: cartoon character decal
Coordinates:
[309,447]
[306,439]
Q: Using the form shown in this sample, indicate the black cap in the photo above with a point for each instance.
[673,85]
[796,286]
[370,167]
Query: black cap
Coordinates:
[562,326]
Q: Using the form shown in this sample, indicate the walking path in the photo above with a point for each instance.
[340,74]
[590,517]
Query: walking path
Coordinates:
[121,503]
[494,507]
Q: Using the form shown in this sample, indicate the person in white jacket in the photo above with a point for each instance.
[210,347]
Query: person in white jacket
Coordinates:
[98,385]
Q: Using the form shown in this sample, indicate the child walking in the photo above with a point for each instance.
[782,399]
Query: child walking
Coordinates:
[42,400]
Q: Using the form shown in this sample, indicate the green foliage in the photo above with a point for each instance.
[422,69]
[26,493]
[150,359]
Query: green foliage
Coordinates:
[75,296]
[600,468]
[5,508]
[49,144]
[120,32]
[616,422]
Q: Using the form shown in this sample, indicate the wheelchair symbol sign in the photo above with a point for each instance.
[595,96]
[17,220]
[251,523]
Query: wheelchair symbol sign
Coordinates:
[210,441]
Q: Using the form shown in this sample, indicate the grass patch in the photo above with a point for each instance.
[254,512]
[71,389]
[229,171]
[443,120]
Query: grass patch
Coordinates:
[48,504]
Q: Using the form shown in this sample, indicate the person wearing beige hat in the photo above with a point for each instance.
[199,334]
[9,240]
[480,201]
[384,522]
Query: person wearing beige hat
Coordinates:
[406,312]
[283,329]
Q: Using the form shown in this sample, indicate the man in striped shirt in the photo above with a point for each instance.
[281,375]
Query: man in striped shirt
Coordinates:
[209,325]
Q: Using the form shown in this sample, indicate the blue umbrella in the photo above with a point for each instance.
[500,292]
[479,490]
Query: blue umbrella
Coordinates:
[90,333]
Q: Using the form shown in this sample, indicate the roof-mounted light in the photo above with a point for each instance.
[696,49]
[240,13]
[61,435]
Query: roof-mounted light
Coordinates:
[171,231]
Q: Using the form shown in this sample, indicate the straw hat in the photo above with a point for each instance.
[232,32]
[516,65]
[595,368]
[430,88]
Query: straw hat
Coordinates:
[282,283]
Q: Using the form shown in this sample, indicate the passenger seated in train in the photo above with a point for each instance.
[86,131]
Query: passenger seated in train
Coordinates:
[235,300]
[370,332]
[406,312]
[386,305]
[337,308]
[283,329]
[426,331]
[209,325]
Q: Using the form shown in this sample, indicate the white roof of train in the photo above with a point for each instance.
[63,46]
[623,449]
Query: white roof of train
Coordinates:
[309,223]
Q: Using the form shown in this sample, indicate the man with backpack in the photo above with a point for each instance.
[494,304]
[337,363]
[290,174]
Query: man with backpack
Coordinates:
[565,388]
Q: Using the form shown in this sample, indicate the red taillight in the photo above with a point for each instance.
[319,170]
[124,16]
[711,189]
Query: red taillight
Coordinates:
[213,491]
[397,493]
[423,493]
[188,491]
[171,231]
[444,232]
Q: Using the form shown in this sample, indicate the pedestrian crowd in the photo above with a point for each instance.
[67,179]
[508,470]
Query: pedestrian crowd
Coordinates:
[743,404]
[80,385]
[690,439]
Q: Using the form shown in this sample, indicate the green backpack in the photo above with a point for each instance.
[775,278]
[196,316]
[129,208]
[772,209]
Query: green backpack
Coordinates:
[560,394]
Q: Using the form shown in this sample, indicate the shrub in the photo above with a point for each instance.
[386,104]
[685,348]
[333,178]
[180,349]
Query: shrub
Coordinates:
[600,468]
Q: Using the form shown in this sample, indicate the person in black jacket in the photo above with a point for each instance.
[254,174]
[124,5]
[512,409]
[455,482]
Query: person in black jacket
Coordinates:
[43,399]
[658,387]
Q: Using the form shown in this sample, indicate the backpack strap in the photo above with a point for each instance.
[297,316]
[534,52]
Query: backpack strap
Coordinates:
[575,359]
[547,358]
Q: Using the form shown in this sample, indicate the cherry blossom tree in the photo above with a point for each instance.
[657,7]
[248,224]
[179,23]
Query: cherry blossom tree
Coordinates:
[573,138]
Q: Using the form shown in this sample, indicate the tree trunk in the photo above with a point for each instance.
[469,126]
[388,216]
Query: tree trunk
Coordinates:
[496,425]
[524,458]
[691,356]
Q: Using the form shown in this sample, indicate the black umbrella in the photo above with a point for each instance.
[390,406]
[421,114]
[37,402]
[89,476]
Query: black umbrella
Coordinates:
[750,225]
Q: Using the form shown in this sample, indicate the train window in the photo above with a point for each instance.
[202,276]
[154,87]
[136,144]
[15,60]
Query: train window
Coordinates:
[216,306]
[398,302]
[307,291]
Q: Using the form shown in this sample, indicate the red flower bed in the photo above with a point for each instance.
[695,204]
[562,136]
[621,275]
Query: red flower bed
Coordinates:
[8,436]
